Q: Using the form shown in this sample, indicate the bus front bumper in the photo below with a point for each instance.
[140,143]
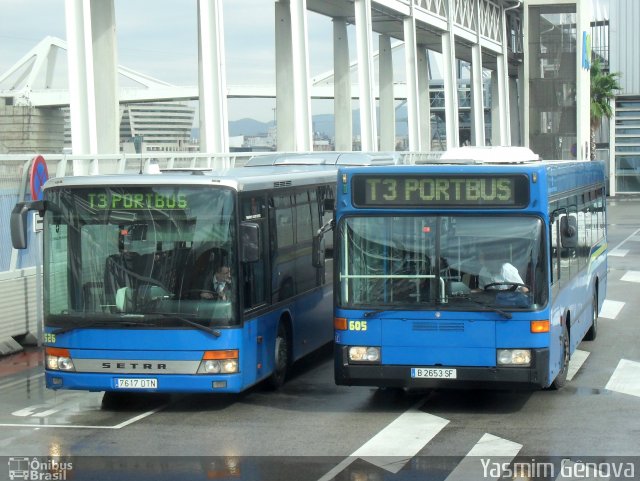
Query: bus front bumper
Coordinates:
[535,376]
[165,383]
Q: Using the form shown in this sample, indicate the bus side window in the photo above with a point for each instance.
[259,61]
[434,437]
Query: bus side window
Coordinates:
[282,248]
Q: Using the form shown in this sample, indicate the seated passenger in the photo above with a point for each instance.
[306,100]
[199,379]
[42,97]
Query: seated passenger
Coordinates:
[498,272]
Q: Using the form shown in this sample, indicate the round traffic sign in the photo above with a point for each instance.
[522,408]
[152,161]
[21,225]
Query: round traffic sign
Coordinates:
[39,175]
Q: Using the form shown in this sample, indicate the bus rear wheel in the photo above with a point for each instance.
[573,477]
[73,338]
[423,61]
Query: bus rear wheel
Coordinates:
[281,358]
[561,378]
[593,330]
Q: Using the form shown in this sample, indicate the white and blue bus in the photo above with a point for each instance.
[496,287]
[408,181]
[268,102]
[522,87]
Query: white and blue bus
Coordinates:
[467,273]
[129,297]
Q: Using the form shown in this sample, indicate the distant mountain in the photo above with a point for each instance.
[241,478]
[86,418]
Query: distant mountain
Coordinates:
[322,123]
[325,123]
[248,127]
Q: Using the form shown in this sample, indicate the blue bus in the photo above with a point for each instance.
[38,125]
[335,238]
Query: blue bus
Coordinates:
[467,272]
[132,301]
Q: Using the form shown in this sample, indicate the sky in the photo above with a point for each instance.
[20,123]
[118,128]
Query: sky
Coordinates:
[159,38]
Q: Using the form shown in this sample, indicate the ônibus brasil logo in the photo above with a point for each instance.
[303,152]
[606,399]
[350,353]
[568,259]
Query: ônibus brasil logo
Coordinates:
[35,469]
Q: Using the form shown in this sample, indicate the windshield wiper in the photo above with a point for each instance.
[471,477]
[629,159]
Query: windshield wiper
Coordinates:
[389,308]
[169,315]
[505,314]
[101,323]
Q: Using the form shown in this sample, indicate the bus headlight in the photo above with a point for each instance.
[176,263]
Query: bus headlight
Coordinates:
[219,362]
[364,354]
[58,359]
[514,357]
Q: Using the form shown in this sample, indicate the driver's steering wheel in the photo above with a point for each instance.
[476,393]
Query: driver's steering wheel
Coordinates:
[513,286]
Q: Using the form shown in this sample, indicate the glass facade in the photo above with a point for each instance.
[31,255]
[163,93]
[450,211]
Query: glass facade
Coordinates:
[552,81]
[627,141]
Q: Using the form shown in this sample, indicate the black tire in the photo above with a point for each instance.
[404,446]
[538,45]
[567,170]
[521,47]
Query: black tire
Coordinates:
[115,400]
[561,378]
[282,358]
[593,330]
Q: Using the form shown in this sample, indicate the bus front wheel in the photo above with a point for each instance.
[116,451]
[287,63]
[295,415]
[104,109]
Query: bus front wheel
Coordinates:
[561,378]
[281,358]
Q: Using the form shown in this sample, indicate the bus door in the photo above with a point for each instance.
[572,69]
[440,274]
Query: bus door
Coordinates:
[254,282]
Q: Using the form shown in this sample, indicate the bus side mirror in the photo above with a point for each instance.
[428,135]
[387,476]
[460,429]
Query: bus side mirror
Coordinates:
[328,205]
[19,225]
[318,252]
[249,242]
[18,222]
[569,231]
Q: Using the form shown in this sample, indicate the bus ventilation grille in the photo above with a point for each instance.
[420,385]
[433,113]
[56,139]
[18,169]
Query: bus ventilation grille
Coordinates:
[281,183]
[439,326]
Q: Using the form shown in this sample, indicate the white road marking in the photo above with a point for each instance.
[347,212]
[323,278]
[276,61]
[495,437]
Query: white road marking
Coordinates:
[485,454]
[632,236]
[631,276]
[611,309]
[7,385]
[626,378]
[64,402]
[79,426]
[618,252]
[397,443]
[403,438]
[577,360]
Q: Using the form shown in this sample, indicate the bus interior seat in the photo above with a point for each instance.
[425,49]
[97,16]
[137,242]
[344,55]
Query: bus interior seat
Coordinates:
[119,272]
[93,295]
[124,299]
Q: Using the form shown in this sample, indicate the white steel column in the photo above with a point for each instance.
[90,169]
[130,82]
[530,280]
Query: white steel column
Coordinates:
[583,80]
[284,78]
[93,103]
[105,67]
[212,84]
[342,87]
[477,97]
[425,98]
[292,77]
[503,84]
[477,100]
[368,130]
[387,99]
[302,100]
[450,81]
[413,96]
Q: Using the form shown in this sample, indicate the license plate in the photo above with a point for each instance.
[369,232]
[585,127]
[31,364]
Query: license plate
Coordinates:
[433,373]
[136,383]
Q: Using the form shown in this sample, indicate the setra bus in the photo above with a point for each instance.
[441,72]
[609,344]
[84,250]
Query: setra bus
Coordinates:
[132,297]
[467,272]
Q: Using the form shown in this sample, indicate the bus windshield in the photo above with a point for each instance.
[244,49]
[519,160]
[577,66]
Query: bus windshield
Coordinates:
[443,262]
[140,256]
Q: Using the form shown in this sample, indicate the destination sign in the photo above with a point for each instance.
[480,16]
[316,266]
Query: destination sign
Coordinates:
[437,190]
[136,201]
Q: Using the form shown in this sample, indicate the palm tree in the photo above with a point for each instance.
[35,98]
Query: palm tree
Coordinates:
[603,87]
